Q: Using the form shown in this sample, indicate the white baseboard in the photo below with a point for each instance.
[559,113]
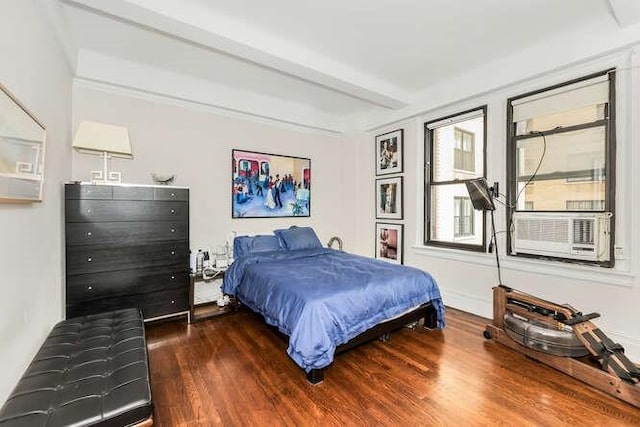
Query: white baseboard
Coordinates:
[473,304]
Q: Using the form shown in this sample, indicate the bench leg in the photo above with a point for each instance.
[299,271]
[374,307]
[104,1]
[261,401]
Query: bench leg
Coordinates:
[146,423]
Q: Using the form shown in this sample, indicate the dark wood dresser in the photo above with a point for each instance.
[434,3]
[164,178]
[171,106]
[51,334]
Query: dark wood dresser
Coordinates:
[126,246]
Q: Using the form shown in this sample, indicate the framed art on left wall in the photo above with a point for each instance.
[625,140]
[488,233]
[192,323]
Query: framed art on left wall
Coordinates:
[267,185]
[22,144]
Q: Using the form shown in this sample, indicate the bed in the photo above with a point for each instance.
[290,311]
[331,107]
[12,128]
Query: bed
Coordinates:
[326,300]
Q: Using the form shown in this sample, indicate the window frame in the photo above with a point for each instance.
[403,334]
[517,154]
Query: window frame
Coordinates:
[463,203]
[609,123]
[428,182]
[464,153]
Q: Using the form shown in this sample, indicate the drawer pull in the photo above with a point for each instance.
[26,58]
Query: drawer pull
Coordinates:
[173,302]
[173,211]
[89,288]
[173,277]
[173,252]
[88,234]
[173,230]
[89,259]
[88,210]
[173,194]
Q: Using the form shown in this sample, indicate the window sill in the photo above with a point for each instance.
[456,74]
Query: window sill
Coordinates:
[609,276]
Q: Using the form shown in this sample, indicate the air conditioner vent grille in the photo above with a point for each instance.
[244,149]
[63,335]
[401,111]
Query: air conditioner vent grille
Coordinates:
[583,231]
[548,230]
[567,235]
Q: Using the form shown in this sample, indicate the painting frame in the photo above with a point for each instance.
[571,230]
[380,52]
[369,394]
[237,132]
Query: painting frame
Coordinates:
[389,152]
[267,185]
[23,143]
[389,198]
[390,242]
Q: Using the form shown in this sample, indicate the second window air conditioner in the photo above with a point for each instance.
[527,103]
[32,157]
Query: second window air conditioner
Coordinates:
[575,235]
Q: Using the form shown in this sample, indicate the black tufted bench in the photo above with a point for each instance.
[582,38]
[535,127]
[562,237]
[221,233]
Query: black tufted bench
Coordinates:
[90,371]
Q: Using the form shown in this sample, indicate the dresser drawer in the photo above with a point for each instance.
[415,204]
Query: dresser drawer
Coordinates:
[86,287]
[132,193]
[152,305]
[166,302]
[169,193]
[93,258]
[124,233]
[77,191]
[125,210]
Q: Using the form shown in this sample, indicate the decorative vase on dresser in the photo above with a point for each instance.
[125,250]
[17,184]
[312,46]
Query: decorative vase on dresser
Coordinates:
[127,246]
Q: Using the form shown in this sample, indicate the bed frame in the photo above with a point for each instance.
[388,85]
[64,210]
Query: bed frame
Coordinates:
[381,331]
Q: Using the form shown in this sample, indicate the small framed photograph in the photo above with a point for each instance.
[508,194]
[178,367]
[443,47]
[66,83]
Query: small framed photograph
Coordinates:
[389,147]
[389,198]
[389,242]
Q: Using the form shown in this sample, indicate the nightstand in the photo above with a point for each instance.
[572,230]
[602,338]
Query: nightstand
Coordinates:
[204,293]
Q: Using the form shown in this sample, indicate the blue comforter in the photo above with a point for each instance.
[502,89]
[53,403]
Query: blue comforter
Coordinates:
[322,298]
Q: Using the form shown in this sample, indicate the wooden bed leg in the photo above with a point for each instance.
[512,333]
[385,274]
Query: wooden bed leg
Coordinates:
[431,318]
[315,376]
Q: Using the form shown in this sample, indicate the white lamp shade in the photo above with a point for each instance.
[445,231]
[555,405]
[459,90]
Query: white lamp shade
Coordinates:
[102,138]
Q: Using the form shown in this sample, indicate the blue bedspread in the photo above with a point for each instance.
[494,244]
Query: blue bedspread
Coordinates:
[322,298]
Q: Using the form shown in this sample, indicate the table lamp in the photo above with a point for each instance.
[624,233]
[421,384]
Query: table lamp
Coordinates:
[106,141]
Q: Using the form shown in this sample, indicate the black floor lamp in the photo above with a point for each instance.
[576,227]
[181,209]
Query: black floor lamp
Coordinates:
[482,199]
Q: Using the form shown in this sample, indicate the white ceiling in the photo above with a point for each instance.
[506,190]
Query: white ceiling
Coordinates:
[321,65]
[411,44]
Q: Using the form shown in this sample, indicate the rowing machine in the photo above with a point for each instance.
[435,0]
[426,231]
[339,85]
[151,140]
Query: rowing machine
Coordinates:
[617,375]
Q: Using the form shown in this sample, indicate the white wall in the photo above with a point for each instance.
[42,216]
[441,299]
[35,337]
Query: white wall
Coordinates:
[466,278]
[196,145]
[31,244]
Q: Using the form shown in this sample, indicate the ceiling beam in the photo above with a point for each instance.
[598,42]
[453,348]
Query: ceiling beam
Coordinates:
[625,12]
[123,77]
[201,26]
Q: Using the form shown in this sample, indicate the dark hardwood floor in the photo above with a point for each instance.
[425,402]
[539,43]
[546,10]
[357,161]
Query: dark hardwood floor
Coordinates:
[234,370]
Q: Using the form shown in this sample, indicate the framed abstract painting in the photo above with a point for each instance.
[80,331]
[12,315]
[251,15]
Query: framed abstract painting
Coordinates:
[389,149]
[267,185]
[389,198]
[389,242]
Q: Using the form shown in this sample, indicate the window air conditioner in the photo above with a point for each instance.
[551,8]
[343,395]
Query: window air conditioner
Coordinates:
[575,235]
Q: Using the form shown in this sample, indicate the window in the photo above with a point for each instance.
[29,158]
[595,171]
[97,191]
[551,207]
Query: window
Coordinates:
[585,205]
[463,157]
[562,139]
[463,217]
[454,154]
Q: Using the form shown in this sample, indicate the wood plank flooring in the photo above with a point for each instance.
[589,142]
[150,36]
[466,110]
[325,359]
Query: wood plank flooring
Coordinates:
[234,370]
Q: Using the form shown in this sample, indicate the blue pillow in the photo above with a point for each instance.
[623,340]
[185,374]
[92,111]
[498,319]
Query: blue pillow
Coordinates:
[247,245]
[296,238]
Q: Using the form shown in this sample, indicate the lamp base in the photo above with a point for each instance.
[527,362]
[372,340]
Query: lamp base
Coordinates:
[97,177]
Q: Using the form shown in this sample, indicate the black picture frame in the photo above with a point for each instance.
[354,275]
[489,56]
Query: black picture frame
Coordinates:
[389,198]
[390,242]
[389,152]
[259,191]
